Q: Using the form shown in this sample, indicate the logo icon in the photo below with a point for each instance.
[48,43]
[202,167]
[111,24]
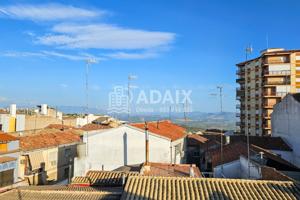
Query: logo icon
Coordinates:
[118,100]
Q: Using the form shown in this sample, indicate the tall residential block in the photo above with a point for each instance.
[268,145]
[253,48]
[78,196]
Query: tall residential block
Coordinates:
[263,82]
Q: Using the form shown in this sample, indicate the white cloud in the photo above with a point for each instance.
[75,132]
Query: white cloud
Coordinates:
[49,54]
[104,36]
[48,12]
[124,55]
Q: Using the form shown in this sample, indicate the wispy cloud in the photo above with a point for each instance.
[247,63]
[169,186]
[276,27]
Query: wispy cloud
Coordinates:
[104,36]
[125,55]
[49,54]
[67,34]
[48,12]
[63,85]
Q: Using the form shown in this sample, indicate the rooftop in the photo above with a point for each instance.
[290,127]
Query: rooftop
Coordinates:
[270,143]
[163,128]
[5,159]
[103,178]
[165,169]
[46,139]
[207,188]
[61,193]
[6,137]
[233,151]
[92,127]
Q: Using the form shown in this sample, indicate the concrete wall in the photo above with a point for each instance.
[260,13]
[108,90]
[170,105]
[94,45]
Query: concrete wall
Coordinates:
[230,170]
[121,146]
[285,124]
[254,169]
[37,122]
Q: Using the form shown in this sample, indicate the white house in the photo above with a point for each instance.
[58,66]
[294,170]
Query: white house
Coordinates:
[286,124]
[109,149]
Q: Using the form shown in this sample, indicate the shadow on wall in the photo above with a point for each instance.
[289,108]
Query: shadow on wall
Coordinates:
[125,148]
[65,161]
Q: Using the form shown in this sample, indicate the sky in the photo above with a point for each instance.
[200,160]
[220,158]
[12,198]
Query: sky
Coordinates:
[168,45]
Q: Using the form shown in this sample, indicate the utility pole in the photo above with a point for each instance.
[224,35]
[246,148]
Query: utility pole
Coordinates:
[88,63]
[220,88]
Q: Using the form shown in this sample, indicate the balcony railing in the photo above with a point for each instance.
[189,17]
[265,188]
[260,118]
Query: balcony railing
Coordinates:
[238,114]
[240,80]
[280,72]
[238,106]
[275,94]
[277,82]
[240,71]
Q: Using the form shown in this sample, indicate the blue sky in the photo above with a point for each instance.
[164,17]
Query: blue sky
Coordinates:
[191,44]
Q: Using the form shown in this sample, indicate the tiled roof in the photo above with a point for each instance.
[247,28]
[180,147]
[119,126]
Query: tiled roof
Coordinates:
[103,178]
[60,193]
[5,159]
[269,173]
[161,188]
[233,151]
[196,139]
[92,127]
[45,139]
[5,137]
[271,143]
[60,126]
[165,169]
[164,128]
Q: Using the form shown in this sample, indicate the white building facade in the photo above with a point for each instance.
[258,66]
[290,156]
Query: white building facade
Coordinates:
[112,148]
[286,124]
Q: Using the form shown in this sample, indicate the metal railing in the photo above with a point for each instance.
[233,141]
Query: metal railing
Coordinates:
[280,72]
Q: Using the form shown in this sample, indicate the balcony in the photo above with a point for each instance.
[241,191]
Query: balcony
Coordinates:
[240,92]
[268,105]
[240,80]
[277,73]
[277,82]
[238,114]
[275,94]
[240,72]
[238,106]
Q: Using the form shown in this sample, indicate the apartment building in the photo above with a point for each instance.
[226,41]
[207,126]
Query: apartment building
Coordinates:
[263,82]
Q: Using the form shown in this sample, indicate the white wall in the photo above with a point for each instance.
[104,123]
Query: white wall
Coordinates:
[285,124]
[121,146]
[254,169]
[230,170]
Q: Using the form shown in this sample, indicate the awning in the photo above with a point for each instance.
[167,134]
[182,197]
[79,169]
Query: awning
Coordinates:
[36,159]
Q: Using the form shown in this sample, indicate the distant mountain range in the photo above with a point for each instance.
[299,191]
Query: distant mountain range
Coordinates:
[194,120]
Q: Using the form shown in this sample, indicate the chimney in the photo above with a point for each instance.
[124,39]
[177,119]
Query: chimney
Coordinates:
[192,173]
[157,124]
[261,157]
[13,110]
[147,143]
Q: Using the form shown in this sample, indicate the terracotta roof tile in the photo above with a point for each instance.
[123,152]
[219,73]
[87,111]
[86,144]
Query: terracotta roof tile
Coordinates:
[5,137]
[165,169]
[46,139]
[5,159]
[103,178]
[163,188]
[164,128]
[196,139]
[271,143]
[269,173]
[60,126]
[92,127]
[61,193]
[233,151]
